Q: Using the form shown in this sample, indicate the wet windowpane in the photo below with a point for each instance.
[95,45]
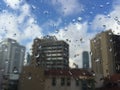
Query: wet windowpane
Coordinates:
[63,38]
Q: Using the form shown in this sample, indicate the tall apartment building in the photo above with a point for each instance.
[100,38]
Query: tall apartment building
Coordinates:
[85,57]
[11,63]
[11,56]
[105,48]
[49,52]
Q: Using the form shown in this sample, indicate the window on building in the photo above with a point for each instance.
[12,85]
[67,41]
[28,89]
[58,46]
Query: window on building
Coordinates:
[77,82]
[62,81]
[68,81]
[54,81]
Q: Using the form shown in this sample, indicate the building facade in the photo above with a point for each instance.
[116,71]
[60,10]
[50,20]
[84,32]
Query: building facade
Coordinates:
[105,55]
[11,61]
[49,52]
[36,78]
[85,57]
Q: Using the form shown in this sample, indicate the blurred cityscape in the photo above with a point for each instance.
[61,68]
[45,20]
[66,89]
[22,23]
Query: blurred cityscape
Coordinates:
[47,68]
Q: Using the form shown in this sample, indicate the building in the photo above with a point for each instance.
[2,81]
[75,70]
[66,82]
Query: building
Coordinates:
[11,60]
[28,59]
[69,79]
[36,78]
[49,52]
[116,46]
[32,78]
[105,49]
[85,57]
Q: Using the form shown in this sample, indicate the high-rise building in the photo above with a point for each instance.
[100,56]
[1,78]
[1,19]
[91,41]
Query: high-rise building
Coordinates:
[85,57]
[28,59]
[105,49]
[11,63]
[11,56]
[49,52]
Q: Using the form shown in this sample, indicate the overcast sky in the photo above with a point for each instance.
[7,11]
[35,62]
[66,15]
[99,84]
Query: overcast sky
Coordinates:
[75,21]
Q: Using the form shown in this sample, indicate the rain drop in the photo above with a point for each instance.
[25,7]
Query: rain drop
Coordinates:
[46,12]
[101,6]
[91,12]
[56,31]
[110,49]
[73,20]
[91,53]
[116,18]
[79,19]
[65,28]
[97,60]
[107,3]
[29,77]
[108,16]
[33,7]
[118,22]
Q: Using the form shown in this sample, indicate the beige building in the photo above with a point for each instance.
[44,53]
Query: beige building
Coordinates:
[32,78]
[103,56]
[35,78]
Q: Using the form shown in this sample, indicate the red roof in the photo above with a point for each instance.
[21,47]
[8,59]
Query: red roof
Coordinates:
[68,72]
[109,88]
[115,77]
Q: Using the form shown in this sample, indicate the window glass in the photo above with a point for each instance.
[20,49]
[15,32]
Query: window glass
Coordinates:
[54,82]
[62,81]
[68,81]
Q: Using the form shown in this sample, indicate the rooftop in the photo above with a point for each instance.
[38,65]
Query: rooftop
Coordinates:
[68,73]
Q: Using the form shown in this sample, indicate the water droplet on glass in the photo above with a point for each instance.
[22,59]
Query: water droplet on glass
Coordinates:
[93,7]
[79,19]
[14,34]
[110,49]
[39,47]
[110,40]
[91,53]
[2,70]
[94,41]
[91,12]
[65,28]
[89,23]
[107,3]
[104,26]
[97,60]
[108,16]
[101,6]
[56,31]
[81,39]
[109,33]
[29,77]
[83,10]
[6,50]
[73,20]
[116,18]
[118,22]
[46,12]
[33,7]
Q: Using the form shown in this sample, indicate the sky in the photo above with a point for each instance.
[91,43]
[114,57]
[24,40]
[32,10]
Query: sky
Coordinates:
[74,21]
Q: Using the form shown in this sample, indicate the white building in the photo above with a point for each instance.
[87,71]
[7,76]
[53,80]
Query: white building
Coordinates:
[11,56]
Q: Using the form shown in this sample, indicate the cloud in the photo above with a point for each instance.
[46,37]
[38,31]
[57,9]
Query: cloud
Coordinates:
[111,21]
[67,7]
[14,4]
[77,36]
[21,27]
[52,23]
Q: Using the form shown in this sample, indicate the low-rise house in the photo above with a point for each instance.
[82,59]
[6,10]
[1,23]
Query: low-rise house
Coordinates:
[35,78]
